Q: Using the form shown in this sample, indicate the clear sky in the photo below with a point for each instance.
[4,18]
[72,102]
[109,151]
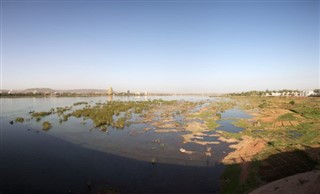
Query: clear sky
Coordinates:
[161,46]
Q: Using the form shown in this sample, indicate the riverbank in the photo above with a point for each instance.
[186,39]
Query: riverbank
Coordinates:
[281,139]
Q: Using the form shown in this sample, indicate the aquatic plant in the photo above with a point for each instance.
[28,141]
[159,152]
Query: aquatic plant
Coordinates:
[80,103]
[66,117]
[120,123]
[103,128]
[19,120]
[102,114]
[41,114]
[46,126]
[61,110]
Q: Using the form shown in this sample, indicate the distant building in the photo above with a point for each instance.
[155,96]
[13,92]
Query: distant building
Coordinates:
[275,94]
[128,92]
[307,93]
[110,91]
[146,93]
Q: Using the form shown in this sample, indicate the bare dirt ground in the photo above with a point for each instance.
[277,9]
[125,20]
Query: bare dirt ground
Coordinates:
[245,150]
[306,183]
[267,115]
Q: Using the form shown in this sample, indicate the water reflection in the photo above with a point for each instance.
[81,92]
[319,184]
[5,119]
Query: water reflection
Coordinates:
[110,98]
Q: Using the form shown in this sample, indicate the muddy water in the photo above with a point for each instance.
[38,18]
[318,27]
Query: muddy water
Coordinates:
[72,154]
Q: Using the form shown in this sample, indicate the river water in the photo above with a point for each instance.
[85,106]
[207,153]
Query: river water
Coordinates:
[73,157]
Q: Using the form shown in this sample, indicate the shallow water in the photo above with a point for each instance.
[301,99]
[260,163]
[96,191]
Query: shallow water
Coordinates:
[230,116]
[71,153]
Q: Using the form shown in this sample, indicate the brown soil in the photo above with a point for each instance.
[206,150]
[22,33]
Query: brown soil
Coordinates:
[164,125]
[228,140]
[270,115]
[245,150]
[166,130]
[196,126]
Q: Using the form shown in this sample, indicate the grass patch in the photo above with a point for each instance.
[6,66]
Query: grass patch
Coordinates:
[242,123]
[230,179]
[308,112]
[226,134]
[287,117]
[209,117]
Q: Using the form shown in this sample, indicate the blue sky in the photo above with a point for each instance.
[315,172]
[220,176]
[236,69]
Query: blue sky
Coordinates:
[180,46]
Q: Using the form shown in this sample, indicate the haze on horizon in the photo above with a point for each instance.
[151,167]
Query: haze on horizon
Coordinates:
[180,46]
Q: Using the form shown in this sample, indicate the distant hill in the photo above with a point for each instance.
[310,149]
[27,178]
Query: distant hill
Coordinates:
[39,90]
[82,91]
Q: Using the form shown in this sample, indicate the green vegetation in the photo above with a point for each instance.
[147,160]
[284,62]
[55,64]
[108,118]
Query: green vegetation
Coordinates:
[209,117]
[103,113]
[65,117]
[46,126]
[226,134]
[307,112]
[292,102]
[41,114]
[19,120]
[61,110]
[121,122]
[230,179]
[80,103]
[243,123]
[286,124]
[231,183]
[212,113]
[263,105]
[286,117]
[264,93]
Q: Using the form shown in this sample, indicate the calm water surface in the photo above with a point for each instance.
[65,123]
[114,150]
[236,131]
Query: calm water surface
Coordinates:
[71,154]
